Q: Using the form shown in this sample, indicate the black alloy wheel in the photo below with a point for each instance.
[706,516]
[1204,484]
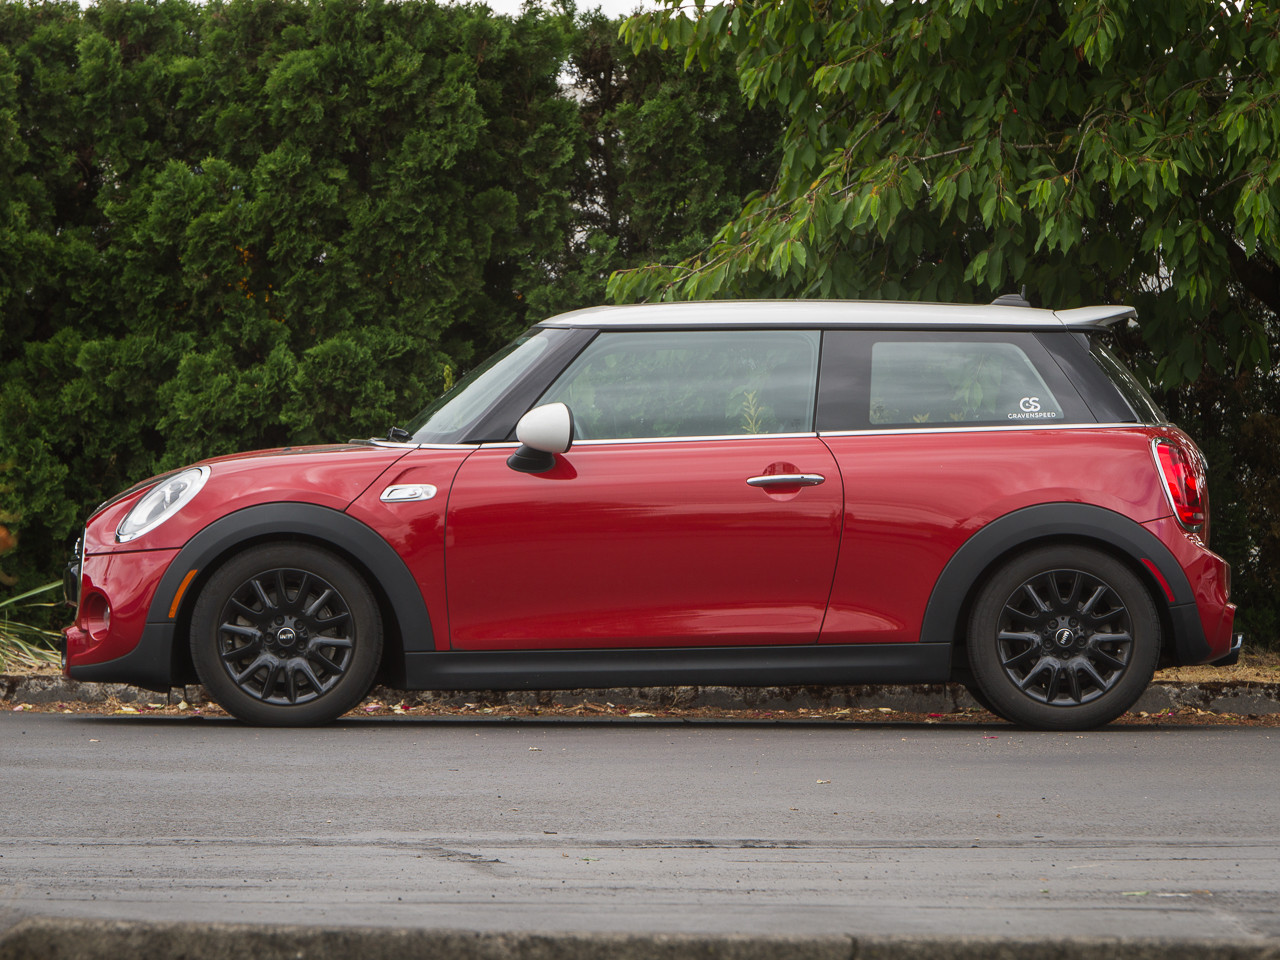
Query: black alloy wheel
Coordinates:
[286,635]
[1063,638]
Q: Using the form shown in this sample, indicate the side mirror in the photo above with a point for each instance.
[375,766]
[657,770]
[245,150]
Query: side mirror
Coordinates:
[543,432]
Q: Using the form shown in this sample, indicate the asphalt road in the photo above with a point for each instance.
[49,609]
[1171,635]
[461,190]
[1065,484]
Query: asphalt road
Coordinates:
[645,826]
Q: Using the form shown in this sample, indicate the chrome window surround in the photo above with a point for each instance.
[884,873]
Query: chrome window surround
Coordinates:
[845,433]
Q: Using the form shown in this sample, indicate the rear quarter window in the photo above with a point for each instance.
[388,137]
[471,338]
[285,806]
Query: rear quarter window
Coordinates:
[956,382]
[876,380]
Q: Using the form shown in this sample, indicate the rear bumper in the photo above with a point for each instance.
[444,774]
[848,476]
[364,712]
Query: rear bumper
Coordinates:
[1237,642]
[1202,628]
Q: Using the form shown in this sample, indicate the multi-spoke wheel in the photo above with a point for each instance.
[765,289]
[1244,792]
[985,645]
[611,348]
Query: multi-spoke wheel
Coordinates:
[286,635]
[1063,638]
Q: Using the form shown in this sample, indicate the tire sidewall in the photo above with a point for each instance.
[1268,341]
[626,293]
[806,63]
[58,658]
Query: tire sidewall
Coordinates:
[984,660]
[255,561]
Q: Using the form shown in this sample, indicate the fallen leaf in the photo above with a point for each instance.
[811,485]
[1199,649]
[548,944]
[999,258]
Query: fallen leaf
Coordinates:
[824,781]
[127,710]
[536,749]
[639,714]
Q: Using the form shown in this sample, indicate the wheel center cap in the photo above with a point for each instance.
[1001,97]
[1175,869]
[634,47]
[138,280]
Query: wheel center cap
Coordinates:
[1064,637]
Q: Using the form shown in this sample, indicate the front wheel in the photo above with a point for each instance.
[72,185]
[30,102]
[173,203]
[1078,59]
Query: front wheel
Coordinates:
[1063,638]
[286,635]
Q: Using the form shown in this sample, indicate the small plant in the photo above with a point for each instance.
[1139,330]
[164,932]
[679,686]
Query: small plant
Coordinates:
[752,413]
[24,644]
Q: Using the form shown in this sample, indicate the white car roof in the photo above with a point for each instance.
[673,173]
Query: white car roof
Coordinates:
[836,313]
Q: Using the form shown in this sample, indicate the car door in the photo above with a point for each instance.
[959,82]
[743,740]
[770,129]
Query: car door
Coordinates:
[695,508]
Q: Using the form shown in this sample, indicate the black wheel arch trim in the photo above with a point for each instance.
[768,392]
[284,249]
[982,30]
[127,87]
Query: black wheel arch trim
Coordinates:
[1080,522]
[390,579]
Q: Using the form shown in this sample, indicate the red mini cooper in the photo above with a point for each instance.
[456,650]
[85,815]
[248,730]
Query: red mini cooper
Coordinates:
[730,493]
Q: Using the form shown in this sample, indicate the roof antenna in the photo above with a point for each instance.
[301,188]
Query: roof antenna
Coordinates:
[1012,299]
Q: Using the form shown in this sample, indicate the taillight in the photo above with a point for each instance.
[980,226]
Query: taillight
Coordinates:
[1183,482]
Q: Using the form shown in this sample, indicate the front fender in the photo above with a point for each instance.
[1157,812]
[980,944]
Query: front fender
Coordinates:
[388,575]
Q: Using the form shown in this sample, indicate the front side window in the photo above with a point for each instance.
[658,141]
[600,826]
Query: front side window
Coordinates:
[943,382]
[631,385]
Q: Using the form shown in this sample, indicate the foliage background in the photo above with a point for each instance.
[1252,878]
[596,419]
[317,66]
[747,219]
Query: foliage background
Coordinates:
[252,223]
[255,222]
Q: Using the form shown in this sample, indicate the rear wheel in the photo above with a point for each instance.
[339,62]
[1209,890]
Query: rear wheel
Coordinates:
[286,635]
[1063,638]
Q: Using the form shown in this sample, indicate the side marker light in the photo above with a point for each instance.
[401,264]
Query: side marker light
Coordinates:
[182,588]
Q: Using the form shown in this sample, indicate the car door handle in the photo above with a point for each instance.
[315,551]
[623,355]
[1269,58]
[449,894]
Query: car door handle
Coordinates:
[787,480]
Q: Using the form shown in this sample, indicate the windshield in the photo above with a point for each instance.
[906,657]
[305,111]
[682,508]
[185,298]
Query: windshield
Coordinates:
[447,419]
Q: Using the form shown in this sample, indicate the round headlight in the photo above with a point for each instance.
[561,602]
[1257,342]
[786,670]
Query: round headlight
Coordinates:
[161,502]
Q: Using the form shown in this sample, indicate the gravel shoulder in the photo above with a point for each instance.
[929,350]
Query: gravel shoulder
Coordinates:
[1245,694]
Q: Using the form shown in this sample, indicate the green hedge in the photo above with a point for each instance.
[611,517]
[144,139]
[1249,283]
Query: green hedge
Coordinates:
[237,225]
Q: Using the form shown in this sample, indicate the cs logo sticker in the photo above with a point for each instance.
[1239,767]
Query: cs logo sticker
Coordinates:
[1029,404]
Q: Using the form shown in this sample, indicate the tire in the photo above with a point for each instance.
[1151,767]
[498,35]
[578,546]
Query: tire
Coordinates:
[286,635]
[981,699]
[1063,638]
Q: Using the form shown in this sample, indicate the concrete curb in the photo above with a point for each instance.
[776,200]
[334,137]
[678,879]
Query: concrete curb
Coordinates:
[54,939]
[1225,697]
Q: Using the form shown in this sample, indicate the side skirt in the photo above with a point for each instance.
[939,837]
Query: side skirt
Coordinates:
[829,665]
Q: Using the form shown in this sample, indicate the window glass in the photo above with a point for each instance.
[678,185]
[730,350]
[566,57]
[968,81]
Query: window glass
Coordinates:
[949,382]
[1130,387]
[446,418]
[630,385]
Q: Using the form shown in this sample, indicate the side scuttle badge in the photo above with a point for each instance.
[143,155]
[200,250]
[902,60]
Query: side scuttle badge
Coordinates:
[404,492]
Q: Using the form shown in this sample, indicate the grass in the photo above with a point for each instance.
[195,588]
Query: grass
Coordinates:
[24,645]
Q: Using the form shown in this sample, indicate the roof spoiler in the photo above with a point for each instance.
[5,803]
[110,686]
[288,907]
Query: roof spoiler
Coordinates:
[1095,316]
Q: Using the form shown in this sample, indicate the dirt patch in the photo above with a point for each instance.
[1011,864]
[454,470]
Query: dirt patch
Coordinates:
[645,713]
[1261,666]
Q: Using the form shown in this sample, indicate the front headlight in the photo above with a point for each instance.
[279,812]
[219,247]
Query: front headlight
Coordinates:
[161,502]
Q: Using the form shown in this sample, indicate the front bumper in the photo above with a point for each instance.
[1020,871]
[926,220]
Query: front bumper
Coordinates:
[114,592]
